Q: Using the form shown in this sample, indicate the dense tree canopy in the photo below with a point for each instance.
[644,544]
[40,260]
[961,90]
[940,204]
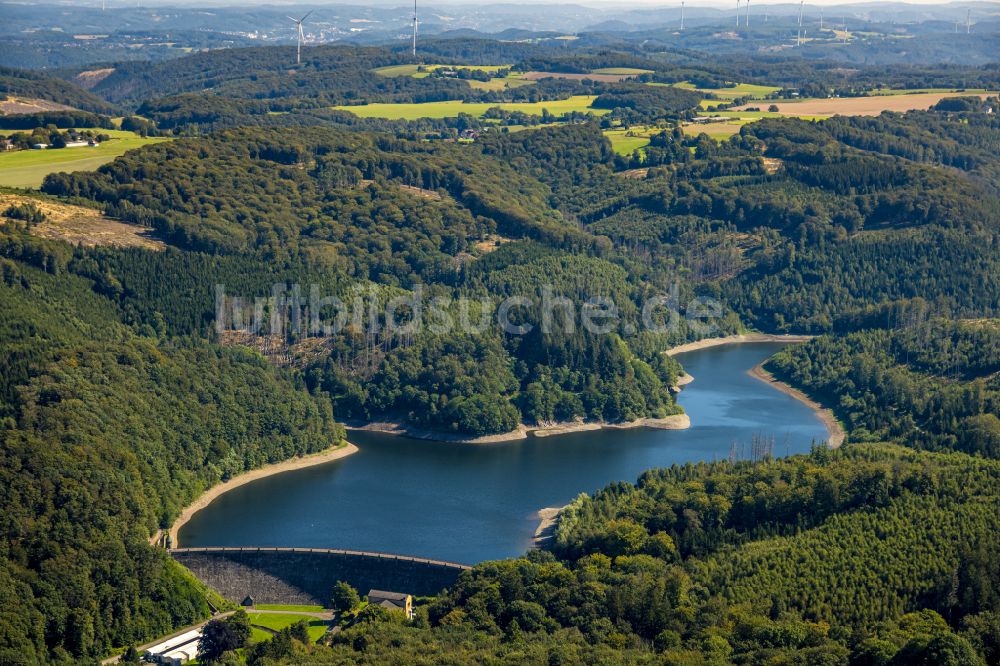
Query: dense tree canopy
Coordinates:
[121,399]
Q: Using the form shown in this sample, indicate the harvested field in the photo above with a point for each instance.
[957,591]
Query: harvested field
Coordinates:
[79,225]
[861,106]
[717,131]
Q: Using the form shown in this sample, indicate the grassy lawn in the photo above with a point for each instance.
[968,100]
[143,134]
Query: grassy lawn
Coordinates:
[453,108]
[276,622]
[259,635]
[27,168]
[291,607]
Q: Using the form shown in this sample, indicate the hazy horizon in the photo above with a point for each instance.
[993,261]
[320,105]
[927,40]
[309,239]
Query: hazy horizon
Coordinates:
[591,4]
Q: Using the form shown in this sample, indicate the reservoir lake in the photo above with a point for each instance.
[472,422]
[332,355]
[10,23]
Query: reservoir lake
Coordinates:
[468,503]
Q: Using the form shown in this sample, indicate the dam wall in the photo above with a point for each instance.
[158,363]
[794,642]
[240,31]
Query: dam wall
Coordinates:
[307,575]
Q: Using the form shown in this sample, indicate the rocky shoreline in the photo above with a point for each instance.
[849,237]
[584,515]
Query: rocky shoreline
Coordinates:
[672,422]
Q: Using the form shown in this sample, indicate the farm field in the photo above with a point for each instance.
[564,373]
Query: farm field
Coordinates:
[27,168]
[453,108]
[503,83]
[625,142]
[913,91]
[739,90]
[757,115]
[820,109]
[717,131]
[861,106]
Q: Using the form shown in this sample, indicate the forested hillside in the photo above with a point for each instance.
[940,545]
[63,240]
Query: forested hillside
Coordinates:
[823,231]
[262,86]
[32,85]
[132,379]
[872,555]
[106,434]
[932,384]
[336,209]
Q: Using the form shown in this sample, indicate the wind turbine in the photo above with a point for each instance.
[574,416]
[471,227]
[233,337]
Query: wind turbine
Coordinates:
[682,16]
[798,40]
[416,22]
[737,15]
[748,14]
[301,36]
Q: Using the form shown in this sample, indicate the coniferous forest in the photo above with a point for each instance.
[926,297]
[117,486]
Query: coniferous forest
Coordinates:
[123,396]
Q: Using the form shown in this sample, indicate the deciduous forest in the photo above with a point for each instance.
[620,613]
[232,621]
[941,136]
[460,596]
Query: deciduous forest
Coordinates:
[123,396]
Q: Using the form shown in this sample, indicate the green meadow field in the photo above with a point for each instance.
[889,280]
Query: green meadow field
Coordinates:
[510,81]
[739,90]
[27,168]
[623,144]
[453,108]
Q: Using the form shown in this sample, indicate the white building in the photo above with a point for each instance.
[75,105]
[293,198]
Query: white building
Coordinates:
[175,651]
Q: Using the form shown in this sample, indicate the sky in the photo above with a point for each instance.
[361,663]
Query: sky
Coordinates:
[602,4]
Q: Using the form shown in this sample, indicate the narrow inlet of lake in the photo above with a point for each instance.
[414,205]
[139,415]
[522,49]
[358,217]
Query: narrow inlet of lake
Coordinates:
[469,503]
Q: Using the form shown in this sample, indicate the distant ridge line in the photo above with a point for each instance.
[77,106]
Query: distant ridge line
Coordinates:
[325,551]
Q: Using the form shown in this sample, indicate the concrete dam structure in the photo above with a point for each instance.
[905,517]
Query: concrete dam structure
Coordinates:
[307,575]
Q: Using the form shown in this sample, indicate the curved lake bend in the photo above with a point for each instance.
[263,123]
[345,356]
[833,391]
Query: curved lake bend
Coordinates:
[468,503]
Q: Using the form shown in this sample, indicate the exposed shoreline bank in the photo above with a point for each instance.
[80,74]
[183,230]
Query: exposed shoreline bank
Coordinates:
[833,426]
[705,343]
[329,455]
[672,422]
[548,516]
[546,525]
